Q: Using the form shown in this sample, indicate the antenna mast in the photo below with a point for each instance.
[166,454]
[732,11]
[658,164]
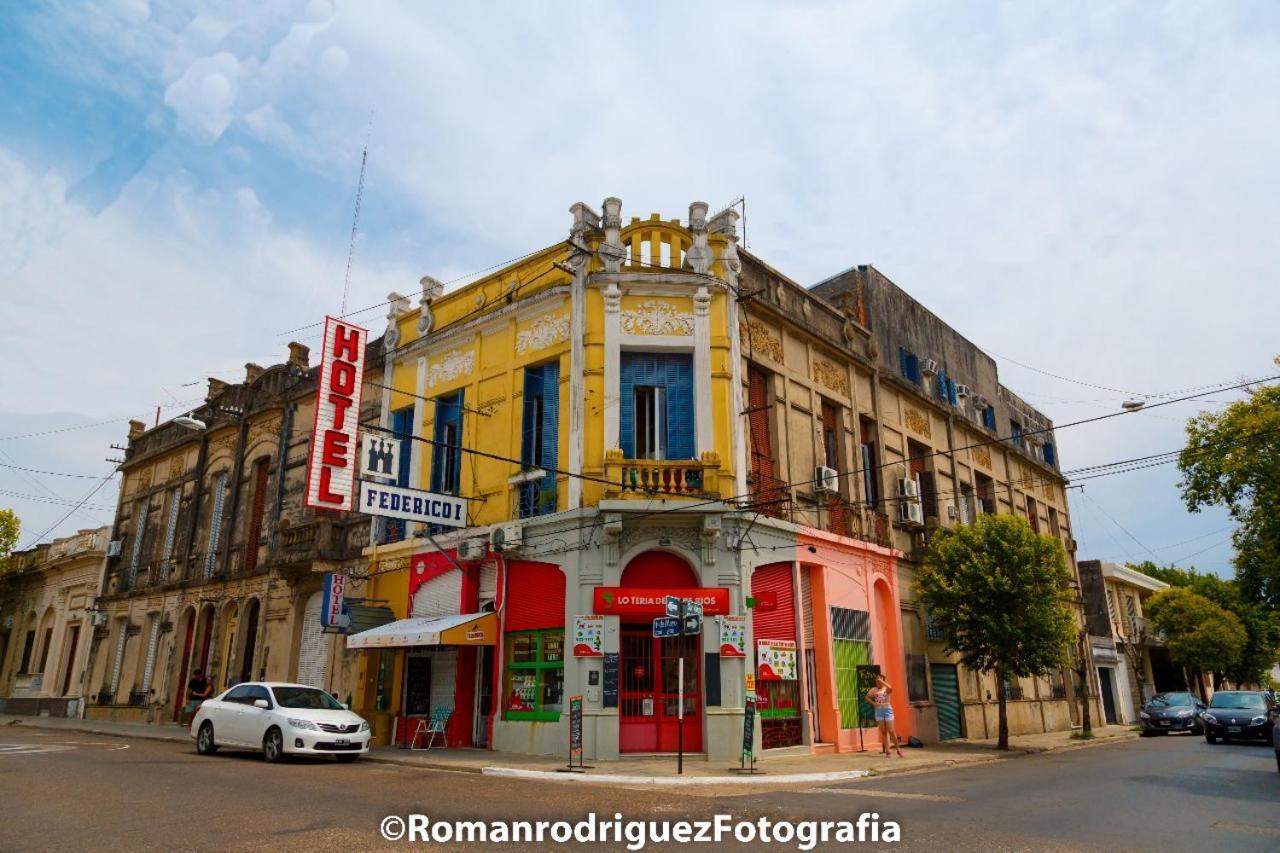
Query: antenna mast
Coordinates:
[355,219]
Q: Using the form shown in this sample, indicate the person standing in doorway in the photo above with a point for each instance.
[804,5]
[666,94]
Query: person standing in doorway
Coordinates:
[879,697]
[199,689]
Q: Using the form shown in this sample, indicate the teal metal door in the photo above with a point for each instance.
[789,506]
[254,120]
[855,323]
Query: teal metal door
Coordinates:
[946,697]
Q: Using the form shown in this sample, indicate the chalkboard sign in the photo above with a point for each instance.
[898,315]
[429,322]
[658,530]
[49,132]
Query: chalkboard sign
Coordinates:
[417,690]
[575,727]
[749,729]
[711,678]
[610,679]
[867,673]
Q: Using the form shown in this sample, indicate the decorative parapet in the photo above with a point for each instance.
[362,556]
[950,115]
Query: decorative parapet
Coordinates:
[657,317]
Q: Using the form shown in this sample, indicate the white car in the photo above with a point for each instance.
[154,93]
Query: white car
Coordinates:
[280,720]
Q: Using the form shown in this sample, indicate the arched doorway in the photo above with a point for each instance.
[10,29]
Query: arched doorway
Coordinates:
[187,632]
[250,645]
[227,640]
[650,687]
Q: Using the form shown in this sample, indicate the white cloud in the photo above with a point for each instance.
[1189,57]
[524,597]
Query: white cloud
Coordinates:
[204,95]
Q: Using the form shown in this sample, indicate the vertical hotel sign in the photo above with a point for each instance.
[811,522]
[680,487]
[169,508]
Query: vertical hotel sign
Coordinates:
[331,467]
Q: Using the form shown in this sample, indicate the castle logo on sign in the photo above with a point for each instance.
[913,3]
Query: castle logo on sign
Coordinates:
[379,456]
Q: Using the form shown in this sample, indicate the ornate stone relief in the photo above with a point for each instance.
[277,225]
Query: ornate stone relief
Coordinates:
[698,257]
[656,317]
[831,376]
[918,422]
[756,338]
[982,456]
[177,465]
[542,333]
[450,366]
[689,538]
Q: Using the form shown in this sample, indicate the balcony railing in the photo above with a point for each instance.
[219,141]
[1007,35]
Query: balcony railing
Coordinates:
[662,478]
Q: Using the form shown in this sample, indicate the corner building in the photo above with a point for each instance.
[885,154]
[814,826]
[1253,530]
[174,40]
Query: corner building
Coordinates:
[638,411]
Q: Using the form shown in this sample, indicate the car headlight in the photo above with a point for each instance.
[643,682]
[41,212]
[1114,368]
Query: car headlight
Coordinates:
[1258,720]
[1210,718]
[364,725]
[1144,715]
[302,724]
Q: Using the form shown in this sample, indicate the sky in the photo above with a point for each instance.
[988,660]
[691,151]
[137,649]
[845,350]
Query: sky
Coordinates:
[1083,190]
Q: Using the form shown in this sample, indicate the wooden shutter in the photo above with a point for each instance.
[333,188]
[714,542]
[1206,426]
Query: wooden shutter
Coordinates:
[260,470]
[673,371]
[139,533]
[215,524]
[535,596]
[779,623]
[148,667]
[448,412]
[402,424]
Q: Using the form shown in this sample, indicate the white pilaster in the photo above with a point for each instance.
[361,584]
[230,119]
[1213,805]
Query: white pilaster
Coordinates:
[612,363]
[702,371]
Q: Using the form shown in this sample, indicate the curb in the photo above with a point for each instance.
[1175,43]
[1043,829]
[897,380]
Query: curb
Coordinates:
[88,730]
[613,779]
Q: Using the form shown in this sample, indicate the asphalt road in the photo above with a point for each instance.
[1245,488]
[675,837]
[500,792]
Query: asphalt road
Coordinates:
[61,791]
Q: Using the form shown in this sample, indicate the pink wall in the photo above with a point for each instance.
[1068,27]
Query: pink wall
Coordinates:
[859,576]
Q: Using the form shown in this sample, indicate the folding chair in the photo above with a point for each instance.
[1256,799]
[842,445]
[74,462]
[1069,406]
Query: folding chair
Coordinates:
[433,727]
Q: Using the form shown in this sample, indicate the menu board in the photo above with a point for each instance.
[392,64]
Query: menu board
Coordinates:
[776,660]
[417,686]
[733,636]
[588,636]
[610,688]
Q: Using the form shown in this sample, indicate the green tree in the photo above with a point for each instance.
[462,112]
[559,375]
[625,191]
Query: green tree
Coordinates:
[999,592]
[1232,460]
[1200,634]
[1261,622]
[9,527]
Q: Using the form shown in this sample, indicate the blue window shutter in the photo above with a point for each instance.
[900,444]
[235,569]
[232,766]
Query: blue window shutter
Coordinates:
[1049,455]
[448,411]
[627,405]
[951,393]
[402,424]
[550,380]
[989,418]
[942,384]
[680,412]
[913,367]
[902,362]
[532,390]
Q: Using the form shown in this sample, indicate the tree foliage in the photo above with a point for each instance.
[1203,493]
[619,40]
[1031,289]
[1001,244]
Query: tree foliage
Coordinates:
[1261,622]
[1232,460]
[1198,632]
[998,591]
[9,528]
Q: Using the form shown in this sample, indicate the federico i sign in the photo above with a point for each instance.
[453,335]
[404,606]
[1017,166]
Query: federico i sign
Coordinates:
[412,504]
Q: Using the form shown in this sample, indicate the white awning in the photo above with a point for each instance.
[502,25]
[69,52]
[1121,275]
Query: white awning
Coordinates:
[466,629]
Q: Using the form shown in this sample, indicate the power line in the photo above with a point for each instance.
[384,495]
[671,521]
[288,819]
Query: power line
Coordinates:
[56,473]
[79,504]
[54,500]
[63,429]
[1101,509]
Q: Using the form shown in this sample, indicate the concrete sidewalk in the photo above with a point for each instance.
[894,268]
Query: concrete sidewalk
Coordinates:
[778,767]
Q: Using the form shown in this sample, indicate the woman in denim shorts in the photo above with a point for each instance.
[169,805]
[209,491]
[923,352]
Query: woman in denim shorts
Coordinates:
[879,697]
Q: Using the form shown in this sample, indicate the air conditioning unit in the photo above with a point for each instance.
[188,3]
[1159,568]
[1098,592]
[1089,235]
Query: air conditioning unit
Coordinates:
[114,547]
[472,550]
[826,479]
[100,619]
[953,514]
[929,366]
[962,391]
[909,512]
[907,488]
[506,538]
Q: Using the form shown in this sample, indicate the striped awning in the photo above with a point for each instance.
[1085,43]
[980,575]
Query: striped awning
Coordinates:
[467,629]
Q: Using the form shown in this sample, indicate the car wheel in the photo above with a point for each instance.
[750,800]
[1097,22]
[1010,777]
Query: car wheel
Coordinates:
[346,759]
[1145,733]
[1210,738]
[273,746]
[205,744]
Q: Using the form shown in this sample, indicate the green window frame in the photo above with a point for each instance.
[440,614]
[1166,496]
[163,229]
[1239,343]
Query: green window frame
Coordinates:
[533,684]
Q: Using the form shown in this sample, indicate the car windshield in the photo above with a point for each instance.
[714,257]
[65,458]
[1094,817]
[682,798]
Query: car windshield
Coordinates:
[306,697]
[1251,701]
[1171,700]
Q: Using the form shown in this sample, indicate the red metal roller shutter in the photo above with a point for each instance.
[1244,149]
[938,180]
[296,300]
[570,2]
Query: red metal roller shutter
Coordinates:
[535,596]
[778,623]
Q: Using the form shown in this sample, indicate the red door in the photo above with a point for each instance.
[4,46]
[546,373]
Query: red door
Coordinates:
[650,692]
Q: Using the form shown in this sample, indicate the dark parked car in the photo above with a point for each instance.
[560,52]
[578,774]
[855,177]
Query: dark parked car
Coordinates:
[1238,714]
[1172,712]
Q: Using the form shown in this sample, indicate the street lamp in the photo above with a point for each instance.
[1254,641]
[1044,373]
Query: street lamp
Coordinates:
[1132,405]
[189,422]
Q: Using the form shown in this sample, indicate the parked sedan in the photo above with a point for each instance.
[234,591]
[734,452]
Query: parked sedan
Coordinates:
[1172,712]
[280,720]
[1237,714]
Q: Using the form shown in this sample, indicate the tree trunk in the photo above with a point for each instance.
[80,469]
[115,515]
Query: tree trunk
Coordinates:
[1002,739]
[1082,673]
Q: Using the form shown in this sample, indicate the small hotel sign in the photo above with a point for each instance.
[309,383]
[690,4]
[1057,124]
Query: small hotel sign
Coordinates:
[332,463]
